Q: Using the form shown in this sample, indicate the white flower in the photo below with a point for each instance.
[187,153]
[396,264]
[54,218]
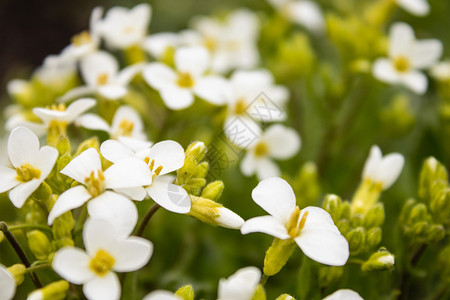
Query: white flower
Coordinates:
[162,158]
[162,295]
[415,7]
[232,42]
[7,284]
[85,42]
[312,228]
[56,71]
[125,123]
[303,12]
[239,286]
[100,72]
[441,71]
[96,185]
[123,28]
[277,142]
[406,56]
[105,253]
[31,165]
[61,114]
[178,87]
[382,170]
[344,294]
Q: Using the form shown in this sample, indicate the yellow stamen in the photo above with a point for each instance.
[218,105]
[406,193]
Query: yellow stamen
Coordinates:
[210,43]
[295,225]
[261,149]
[102,79]
[102,263]
[27,172]
[81,39]
[402,64]
[185,80]
[158,170]
[95,184]
[125,128]
[240,107]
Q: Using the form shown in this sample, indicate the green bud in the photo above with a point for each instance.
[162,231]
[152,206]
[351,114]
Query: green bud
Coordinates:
[277,255]
[345,210]
[63,145]
[418,214]
[332,205]
[213,213]
[168,56]
[86,144]
[18,272]
[194,185]
[2,236]
[420,229]
[213,190]
[356,240]
[39,244]
[285,297]
[54,291]
[42,195]
[373,237]
[306,185]
[186,292]
[201,170]
[196,150]
[328,275]
[134,55]
[343,225]
[440,205]
[379,261]
[435,233]
[36,215]
[406,211]
[356,221]
[260,293]
[62,230]
[375,216]
[432,171]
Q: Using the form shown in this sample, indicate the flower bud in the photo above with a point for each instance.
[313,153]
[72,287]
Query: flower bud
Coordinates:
[440,205]
[39,244]
[18,272]
[435,233]
[201,170]
[328,275]
[86,144]
[42,194]
[54,291]
[285,297]
[375,216]
[214,213]
[260,293]
[196,150]
[277,255]
[379,261]
[345,210]
[186,292]
[332,205]
[62,230]
[373,237]
[420,229]
[63,145]
[356,240]
[432,171]
[418,214]
[343,225]
[213,190]
[194,185]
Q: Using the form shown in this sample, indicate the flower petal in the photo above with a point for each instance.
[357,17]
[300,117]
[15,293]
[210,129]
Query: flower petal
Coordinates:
[98,234]
[115,151]
[134,143]
[96,65]
[135,193]
[372,163]
[105,287]
[416,81]
[266,224]
[128,114]
[168,154]
[266,168]
[416,7]
[177,98]
[112,91]
[23,146]
[128,172]
[117,209]
[170,196]
[7,284]
[228,219]
[240,285]
[390,169]
[401,40]
[156,44]
[276,197]
[7,179]
[70,199]
[384,71]
[45,160]
[72,264]
[21,192]
[83,165]
[426,53]
[93,122]
[248,164]
[211,89]
[162,295]
[192,60]
[159,76]
[131,254]
[128,73]
[76,92]
[283,142]
[306,13]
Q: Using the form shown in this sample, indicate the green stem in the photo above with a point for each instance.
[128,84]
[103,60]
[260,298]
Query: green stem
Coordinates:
[264,279]
[356,261]
[37,267]
[147,218]
[16,246]
[30,226]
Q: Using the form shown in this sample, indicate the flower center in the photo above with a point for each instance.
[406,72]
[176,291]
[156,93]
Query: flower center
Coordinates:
[81,39]
[95,184]
[58,107]
[240,107]
[295,223]
[102,263]
[151,165]
[125,128]
[261,149]
[185,80]
[402,64]
[210,43]
[102,79]
[27,172]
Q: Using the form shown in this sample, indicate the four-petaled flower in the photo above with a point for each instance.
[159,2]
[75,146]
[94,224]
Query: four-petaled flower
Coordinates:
[312,228]
[31,165]
[239,286]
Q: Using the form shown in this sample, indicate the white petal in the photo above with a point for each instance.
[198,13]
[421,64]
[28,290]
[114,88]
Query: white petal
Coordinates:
[318,218]
[21,192]
[416,81]
[308,14]
[135,193]
[83,165]
[344,294]
[93,122]
[276,197]
[241,285]
[157,44]
[170,196]
[127,113]
[162,295]
[99,234]
[7,284]
[134,143]
[72,264]
[23,146]
[384,70]
[45,160]
[112,91]
[128,172]
[159,76]
[426,53]
[228,219]
[168,154]
[243,132]
[372,163]
[77,92]
[415,7]
[266,224]
[248,164]
[401,39]
[115,151]
[105,288]
[7,179]
[266,168]
[78,107]
[128,73]
[177,98]
[131,254]
[192,60]
[283,142]
[211,89]
[390,169]
[70,199]
[117,209]
[97,64]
